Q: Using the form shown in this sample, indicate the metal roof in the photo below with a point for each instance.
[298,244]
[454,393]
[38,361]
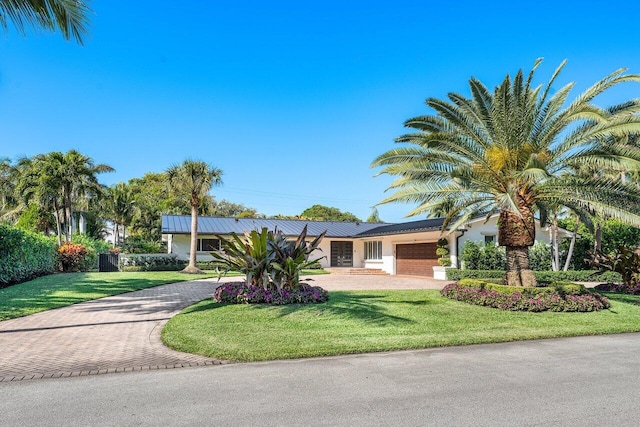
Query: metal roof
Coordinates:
[404,227]
[181,224]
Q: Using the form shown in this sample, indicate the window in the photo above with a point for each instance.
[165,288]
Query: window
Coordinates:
[208,245]
[489,240]
[373,250]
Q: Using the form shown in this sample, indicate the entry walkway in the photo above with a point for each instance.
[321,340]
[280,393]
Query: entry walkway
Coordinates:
[122,333]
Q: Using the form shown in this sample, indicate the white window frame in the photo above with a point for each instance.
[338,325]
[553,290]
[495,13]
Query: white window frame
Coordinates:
[373,250]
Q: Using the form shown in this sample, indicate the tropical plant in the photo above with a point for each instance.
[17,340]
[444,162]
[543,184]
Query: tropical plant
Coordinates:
[69,16]
[268,258]
[513,151]
[250,256]
[290,257]
[625,261]
[192,180]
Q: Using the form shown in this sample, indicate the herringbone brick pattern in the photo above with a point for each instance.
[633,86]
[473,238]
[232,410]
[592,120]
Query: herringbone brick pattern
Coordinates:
[114,334]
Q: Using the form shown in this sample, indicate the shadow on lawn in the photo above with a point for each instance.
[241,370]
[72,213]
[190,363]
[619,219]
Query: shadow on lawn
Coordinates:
[368,308]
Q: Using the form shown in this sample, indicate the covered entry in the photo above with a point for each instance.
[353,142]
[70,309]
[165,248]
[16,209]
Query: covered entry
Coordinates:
[341,254]
[416,259]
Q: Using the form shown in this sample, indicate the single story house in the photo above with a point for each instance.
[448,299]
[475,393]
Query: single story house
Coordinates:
[407,248]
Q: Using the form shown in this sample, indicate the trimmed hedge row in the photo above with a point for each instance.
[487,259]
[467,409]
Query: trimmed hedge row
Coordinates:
[561,296]
[25,255]
[541,276]
[131,262]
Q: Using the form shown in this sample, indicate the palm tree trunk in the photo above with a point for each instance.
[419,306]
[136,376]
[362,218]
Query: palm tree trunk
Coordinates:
[516,232]
[191,268]
[571,245]
[519,272]
[556,252]
[56,213]
[116,234]
[597,240]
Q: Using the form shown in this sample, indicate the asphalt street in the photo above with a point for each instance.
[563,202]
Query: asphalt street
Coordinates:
[586,381]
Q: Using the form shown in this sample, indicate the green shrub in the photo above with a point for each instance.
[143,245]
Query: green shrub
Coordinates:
[478,256]
[541,276]
[139,245]
[540,256]
[25,255]
[165,262]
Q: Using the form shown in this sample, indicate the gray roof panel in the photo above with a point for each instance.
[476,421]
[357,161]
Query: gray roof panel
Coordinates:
[405,227]
[181,224]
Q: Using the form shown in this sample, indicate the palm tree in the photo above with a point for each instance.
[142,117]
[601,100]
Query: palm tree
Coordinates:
[54,179]
[121,206]
[68,16]
[78,177]
[39,182]
[192,180]
[511,152]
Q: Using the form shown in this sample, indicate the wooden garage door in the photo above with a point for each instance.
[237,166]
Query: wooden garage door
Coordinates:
[416,259]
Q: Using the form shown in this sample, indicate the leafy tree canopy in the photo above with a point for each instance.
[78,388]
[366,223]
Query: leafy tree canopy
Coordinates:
[327,213]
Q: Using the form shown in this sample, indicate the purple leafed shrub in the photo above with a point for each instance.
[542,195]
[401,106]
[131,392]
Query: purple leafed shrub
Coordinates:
[633,289]
[241,293]
[521,301]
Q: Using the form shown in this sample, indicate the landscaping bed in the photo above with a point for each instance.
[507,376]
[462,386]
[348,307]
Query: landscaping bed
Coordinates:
[559,296]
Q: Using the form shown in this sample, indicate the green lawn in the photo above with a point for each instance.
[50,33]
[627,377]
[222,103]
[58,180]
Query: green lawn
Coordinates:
[369,321]
[62,289]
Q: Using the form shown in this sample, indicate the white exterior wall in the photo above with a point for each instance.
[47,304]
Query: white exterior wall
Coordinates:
[180,245]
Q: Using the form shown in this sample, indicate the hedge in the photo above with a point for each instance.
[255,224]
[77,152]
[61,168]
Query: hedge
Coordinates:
[25,255]
[164,262]
[541,276]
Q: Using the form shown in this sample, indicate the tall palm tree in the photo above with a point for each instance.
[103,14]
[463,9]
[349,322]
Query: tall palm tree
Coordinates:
[511,152]
[78,176]
[192,180]
[121,208]
[54,179]
[68,16]
[40,183]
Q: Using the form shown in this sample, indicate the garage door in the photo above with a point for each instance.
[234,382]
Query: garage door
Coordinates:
[416,259]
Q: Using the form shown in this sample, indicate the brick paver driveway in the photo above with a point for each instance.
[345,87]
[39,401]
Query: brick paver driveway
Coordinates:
[122,333]
[113,334]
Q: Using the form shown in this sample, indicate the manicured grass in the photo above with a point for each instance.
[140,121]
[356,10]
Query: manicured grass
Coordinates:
[369,321]
[62,289]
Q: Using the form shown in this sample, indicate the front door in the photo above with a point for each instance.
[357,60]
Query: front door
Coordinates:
[341,254]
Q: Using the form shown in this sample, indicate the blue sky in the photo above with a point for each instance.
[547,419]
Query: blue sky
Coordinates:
[292,100]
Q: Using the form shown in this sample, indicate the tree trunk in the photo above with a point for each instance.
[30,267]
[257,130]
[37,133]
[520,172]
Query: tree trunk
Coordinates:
[597,240]
[191,268]
[518,271]
[556,249]
[56,212]
[516,232]
[116,234]
[572,245]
